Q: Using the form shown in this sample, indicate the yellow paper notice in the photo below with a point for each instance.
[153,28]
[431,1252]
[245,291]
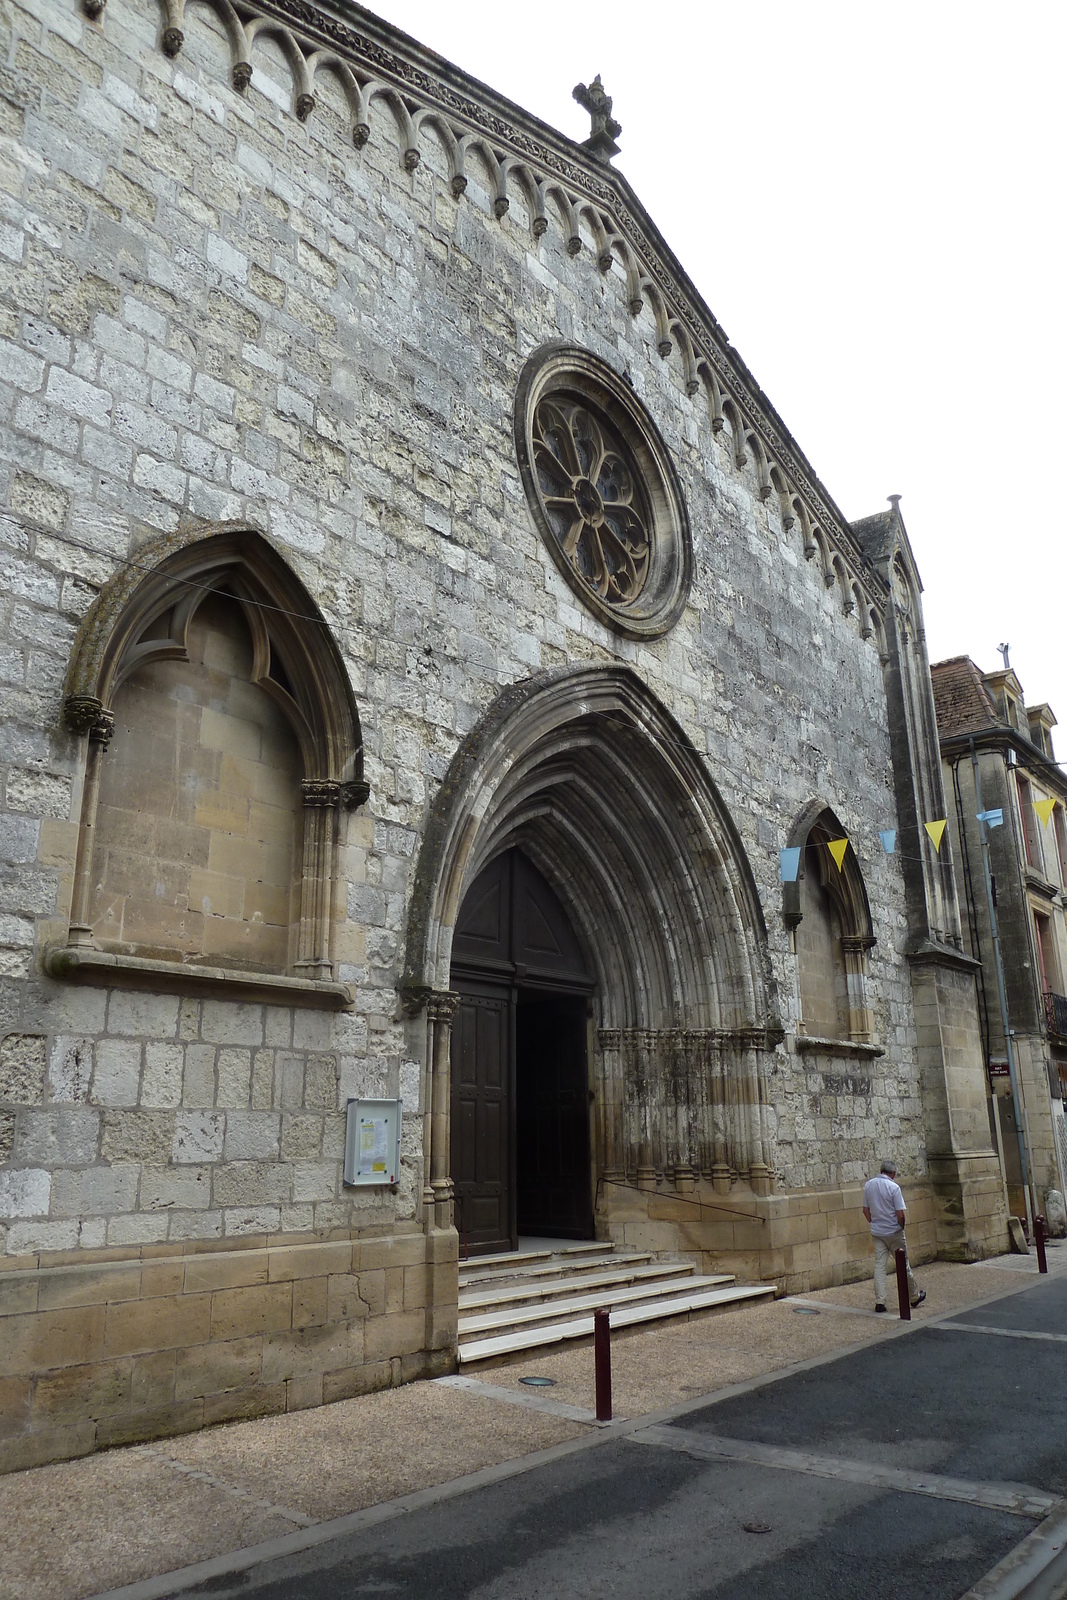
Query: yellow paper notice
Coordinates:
[936,830]
[1044,809]
[837,848]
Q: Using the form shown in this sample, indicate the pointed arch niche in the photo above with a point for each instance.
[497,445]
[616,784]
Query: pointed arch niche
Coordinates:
[222,742]
[830,915]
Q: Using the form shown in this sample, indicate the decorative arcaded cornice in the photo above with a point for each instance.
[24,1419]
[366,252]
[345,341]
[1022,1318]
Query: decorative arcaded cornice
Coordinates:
[375,61]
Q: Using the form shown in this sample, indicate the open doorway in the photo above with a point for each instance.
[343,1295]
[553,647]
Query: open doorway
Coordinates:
[520,1147]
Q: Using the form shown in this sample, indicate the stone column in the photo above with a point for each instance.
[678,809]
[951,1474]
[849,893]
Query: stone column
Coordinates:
[321,800]
[84,713]
[854,949]
[440,1009]
[612,1150]
[717,1070]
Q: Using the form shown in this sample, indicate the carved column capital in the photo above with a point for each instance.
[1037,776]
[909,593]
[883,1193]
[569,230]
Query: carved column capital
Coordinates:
[84,713]
[321,792]
[355,793]
[441,1005]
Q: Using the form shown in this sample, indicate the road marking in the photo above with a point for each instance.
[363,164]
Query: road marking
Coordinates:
[233,1490]
[515,1397]
[1018,1499]
[1004,1333]
[829,1305]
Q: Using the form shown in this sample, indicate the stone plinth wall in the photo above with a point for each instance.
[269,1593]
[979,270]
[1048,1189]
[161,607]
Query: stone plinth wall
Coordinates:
[105,1348]
[809,1239]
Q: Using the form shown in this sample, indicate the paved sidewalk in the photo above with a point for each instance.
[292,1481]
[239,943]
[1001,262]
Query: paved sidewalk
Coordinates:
[85,1527]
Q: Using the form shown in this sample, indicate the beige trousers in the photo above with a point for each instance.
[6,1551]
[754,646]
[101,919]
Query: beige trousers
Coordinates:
[884,1250]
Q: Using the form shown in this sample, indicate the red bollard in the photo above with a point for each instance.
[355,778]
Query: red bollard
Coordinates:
[1040,1233]
[902,1285]
[602,1363]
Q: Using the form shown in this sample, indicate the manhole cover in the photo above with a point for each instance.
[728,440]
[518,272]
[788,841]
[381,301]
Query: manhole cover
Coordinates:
[805,1311]
[539,1383]
[756,1527]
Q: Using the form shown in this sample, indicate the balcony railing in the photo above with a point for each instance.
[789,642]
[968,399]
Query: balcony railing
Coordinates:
[1056,1012]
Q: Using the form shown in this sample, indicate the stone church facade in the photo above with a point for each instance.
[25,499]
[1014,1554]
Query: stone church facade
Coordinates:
[421,639]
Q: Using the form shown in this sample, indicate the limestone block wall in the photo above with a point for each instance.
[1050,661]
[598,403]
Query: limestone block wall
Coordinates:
[799,1240]
[165,1118]
[105,1348]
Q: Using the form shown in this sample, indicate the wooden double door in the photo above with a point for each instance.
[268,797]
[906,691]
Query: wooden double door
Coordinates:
[520,1064]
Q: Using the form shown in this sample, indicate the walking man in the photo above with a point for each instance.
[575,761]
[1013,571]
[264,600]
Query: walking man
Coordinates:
[883,1206]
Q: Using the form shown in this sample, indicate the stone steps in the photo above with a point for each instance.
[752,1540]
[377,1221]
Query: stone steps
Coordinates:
[532,1292]
[537,1297]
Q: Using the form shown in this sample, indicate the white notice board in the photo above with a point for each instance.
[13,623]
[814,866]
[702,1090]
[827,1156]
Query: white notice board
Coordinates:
[372,1141]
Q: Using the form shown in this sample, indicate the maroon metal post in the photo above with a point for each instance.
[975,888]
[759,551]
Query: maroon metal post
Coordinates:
[902,1286]
[1040,1233]
[602,1363]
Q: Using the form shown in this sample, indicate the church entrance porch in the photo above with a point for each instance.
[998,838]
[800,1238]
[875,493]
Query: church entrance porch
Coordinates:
[520,1144]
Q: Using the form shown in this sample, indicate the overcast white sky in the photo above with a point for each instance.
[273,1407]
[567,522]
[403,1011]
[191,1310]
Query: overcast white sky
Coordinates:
[871,199]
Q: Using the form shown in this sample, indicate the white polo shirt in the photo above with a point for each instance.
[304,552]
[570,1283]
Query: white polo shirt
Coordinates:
[883,1200]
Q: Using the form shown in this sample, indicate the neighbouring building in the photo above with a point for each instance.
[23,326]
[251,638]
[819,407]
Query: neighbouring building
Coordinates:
[998,757]
[421,640]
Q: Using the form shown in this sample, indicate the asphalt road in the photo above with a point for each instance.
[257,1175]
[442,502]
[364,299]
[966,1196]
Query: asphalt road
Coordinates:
[902,1472]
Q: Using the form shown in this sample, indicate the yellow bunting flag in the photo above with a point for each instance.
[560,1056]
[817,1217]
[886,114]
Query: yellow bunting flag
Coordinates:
[1044,809]
[936,831]
[837,848]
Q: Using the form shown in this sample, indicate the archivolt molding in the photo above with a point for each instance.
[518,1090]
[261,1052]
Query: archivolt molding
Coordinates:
[422,92]
[588,771]
[144,613]
[590,776]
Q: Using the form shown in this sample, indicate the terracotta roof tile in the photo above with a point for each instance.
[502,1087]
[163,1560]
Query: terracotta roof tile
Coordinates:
[961,700]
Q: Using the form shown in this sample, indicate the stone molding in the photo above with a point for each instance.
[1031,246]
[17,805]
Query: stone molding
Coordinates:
[372,61]
[809,1043]
[83,964]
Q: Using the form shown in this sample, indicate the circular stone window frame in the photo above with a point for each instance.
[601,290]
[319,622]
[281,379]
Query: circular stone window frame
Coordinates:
[570,373]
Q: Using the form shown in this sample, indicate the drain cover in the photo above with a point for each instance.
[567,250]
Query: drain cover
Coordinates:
[805,1311]
[539,1383]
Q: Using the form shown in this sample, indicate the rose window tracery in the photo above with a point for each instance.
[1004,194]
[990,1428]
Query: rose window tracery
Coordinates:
[593,499]
[603,490]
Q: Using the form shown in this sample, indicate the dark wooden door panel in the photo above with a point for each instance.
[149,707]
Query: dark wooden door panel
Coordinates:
[481,1120]
[518,1165]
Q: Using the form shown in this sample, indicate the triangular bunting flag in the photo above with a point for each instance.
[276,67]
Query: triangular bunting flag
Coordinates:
[1044,809]
[888,837]
[790,864]
[837,848]
[936,830]
[992,819]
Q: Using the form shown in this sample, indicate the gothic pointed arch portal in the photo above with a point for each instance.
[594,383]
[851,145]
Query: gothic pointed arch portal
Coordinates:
[586,773]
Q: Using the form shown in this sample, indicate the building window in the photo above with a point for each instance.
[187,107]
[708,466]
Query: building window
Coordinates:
[222,746]
[603,491]
[1031,839]
[829,911]
[1061,841]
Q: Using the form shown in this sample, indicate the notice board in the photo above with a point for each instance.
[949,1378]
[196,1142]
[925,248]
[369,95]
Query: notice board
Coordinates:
[372,1141]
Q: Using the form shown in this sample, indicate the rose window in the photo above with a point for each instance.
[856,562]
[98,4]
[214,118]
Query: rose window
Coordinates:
[603,490]
[593,499]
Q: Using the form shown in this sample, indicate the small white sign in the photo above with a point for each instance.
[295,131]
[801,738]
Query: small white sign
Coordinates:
[372,1141]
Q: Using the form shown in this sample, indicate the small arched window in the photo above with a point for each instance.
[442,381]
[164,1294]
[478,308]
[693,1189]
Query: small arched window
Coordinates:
[222,742]
[828,910]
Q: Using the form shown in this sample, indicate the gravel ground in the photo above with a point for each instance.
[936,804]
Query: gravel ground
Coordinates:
[82,1527]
